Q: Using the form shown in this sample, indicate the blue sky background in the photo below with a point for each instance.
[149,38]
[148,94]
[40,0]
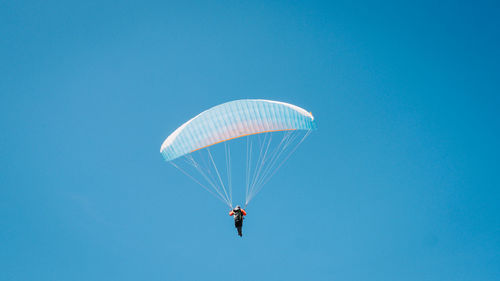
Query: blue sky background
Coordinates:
[399,182]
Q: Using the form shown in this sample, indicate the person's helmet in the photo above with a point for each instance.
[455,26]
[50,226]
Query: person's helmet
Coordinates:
[237,207]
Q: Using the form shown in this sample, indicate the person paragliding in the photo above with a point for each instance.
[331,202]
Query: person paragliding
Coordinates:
[238,214]
[266,132]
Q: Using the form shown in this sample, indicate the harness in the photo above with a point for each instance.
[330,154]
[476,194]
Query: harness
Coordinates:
[238,216]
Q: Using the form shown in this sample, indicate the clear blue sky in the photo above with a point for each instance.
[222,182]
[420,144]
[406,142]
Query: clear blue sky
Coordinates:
[399,182]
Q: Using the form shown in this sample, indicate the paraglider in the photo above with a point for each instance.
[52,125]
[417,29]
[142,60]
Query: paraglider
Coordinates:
[264,133]
[238,213]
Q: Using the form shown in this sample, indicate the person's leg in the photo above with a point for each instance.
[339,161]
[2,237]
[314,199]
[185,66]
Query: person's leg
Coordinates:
[238,225]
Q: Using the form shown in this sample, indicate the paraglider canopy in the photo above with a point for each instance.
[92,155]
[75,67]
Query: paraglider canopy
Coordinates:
[233,120]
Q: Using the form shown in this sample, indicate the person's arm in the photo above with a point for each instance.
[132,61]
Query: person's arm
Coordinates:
[243,212]
[231,213]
